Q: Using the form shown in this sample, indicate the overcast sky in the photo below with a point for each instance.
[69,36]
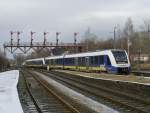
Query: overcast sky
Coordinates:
[68,16]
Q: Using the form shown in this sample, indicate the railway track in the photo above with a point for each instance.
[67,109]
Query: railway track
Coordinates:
[25,98]
[143,73]
[117,100]
[44,100]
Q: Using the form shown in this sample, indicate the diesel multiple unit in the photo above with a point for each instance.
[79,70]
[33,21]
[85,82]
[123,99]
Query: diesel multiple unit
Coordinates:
[110,61]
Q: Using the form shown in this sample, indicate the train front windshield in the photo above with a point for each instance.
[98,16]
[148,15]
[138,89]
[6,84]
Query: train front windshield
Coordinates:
[120,57]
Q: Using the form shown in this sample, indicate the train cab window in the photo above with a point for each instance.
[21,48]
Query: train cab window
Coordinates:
[101,59]
[108,61]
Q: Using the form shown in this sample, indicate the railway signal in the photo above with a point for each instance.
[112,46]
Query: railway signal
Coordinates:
[75,37]
[32,37]
[75,40]
[45,34]
[57,34]
[11,34]
[18,39]
[27,46]
[115,37]
[114,32]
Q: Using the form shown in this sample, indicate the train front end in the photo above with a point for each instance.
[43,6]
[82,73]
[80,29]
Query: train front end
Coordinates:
[121,61]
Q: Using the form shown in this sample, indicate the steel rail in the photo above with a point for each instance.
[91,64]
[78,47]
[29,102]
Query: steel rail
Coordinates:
[107,98]
[31,95]
[43,83]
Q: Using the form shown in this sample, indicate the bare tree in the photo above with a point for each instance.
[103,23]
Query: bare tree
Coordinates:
[3,61]
[128,34]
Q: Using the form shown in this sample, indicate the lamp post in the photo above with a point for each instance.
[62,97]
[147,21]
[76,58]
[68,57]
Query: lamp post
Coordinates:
[114,32]
[114,45]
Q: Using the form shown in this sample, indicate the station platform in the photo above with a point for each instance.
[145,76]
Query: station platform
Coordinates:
[9,100]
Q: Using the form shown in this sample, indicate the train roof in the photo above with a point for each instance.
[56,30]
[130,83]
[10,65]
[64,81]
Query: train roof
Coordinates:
[105,52]
[36,59]
[54,57]
[96,53]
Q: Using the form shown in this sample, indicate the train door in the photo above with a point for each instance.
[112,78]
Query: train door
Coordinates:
[107,63]
[76,63]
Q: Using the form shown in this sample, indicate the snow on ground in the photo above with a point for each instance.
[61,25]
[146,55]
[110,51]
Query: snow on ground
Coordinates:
[9,100]
[94,105]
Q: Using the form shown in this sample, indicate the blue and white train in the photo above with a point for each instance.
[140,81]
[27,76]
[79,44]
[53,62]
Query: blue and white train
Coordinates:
[110,61]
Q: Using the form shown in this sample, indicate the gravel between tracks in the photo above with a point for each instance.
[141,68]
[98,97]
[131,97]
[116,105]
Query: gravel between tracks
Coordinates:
[126,78]
[95,106]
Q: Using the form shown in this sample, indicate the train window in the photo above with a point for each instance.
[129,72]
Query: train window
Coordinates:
[52,61]
[72,61]
[101,59]
[108,61]
[91,60]
[46,62]
[39,63]
[66,60]
[69,61]
[120,56]
[57,61]
[81,61]
[60,61]
[96,60]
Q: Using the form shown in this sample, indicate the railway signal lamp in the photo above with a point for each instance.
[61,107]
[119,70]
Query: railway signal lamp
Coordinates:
[57,34]
[45,34]
[18,33]
[75,41]
[32,37]
[75,37]
[11,33]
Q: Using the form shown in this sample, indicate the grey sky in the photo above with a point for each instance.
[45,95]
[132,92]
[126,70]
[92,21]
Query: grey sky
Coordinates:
[68,16]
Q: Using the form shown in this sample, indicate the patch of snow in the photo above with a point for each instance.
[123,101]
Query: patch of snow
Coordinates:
[9,100]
